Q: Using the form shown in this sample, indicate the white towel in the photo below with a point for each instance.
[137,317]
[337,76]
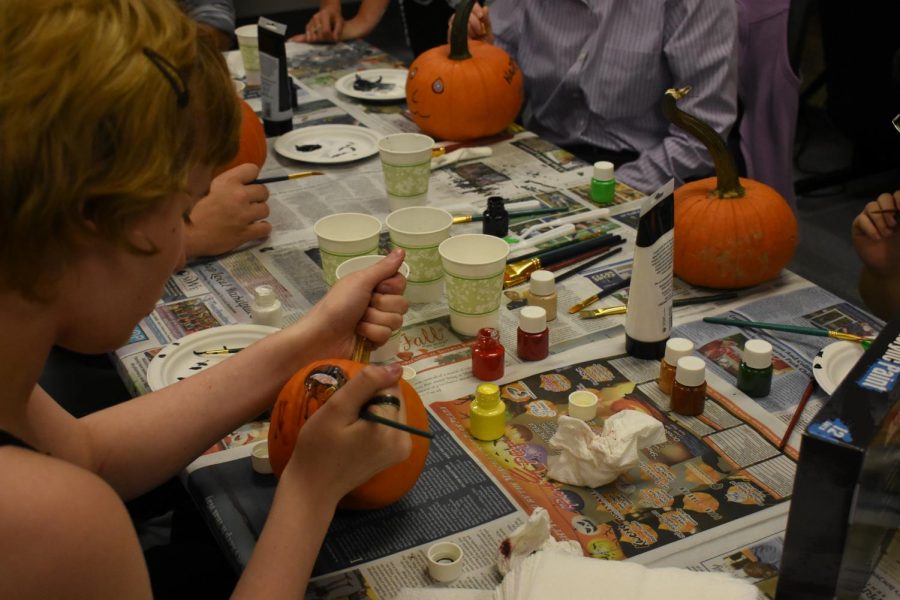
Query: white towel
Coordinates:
[592,460]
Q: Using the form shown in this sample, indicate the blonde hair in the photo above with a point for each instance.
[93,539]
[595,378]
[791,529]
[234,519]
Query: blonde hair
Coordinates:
[95,129]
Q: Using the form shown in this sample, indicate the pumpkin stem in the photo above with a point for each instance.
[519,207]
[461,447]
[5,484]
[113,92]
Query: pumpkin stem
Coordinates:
[728,184]
[459,32]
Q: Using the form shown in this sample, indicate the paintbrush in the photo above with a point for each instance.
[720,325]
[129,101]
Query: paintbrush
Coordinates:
[277,178]
[622,283]
[818,331]
[587,265]
[810,388]
[217,351]
[457,219]
[621,310]
[519,271]
[368,416]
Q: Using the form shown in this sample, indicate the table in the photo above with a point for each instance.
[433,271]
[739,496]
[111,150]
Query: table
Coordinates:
[715,497]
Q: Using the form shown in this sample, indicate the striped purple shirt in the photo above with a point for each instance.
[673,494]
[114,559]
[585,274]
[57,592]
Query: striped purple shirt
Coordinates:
[596,70]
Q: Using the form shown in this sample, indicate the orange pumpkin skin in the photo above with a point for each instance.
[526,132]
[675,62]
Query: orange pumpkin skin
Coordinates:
[731,243]
[252,148]
[464,99]
[305,392]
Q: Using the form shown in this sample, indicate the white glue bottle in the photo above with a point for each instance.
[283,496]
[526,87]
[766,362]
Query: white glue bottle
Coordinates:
[266,308]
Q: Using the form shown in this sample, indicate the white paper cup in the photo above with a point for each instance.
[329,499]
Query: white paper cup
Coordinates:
[406,163]
[419,230]
[389,349]
[473,278]
[445,561]
[345,235]
[248,42]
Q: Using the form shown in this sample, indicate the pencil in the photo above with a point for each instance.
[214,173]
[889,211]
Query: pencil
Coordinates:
[810,388]
[818,331]
[287,177]
[369,416]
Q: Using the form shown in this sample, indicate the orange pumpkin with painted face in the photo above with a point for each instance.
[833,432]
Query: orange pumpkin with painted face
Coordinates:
[466,89]
[306,392]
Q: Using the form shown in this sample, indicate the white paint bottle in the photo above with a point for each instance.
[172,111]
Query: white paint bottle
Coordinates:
[266,307]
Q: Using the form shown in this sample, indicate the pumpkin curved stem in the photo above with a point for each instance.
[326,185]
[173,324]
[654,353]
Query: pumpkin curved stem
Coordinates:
[459,32]
[727,185]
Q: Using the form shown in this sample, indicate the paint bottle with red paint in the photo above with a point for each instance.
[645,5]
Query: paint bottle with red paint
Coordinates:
[488,355]
[533,334]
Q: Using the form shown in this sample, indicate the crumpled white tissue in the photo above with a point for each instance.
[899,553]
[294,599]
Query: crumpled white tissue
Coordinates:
[557,575]
[529,537]
[588,459]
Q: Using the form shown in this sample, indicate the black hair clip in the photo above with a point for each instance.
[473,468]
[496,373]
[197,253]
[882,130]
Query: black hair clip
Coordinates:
[172,76]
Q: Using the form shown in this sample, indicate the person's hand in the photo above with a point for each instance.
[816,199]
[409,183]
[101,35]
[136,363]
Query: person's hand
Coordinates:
[229,215]
[874,235]
[367,303]
[336,451]
[479,24]
[325,26]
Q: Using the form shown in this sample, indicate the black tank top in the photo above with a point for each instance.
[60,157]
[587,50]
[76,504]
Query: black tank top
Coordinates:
[8,439]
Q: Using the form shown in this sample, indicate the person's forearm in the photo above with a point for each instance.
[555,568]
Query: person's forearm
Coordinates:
[367,18]
[143,442]
[880,292]
[284,555]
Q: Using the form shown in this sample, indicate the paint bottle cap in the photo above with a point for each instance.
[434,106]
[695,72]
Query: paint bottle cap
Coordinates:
[408,373]
[533,319]
[445,561]
[259,458]
[582,405]
[603,170]
[757,354]
[676,348]
[264,296]
[487,395]
[542,283]
[690,371]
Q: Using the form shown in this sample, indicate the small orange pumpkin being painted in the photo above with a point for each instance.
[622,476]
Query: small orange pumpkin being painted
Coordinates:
[466,89]
[306,392]
[252,148]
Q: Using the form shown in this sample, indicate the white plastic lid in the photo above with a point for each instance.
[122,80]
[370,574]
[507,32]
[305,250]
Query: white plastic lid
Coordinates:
[583,405]
[603,170]
[676,348]
[533,319]
[690,371]
[757,354]
[264,295]
[543,283]
[259,458]
[445,561]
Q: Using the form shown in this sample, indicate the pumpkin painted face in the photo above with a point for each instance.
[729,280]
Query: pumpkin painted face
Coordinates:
[464,90]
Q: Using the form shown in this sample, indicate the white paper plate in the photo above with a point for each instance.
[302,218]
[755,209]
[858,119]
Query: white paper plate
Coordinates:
[336,143]
[833,362]
[395,78]
[177,361]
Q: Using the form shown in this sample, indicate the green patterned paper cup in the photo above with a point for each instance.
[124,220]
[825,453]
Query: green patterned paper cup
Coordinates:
[473,277]
[345,235]
[419,230]
[389,349]
[406,162]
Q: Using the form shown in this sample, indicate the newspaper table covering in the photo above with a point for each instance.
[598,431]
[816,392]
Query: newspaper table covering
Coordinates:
[713,497]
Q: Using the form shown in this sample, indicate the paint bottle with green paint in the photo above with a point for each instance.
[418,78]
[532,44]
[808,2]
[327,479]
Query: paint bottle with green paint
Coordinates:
[755,372]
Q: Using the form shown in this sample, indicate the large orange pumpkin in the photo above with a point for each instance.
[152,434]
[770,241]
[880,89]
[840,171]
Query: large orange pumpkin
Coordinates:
[311,387]
[730,232]
[253,146]
[465,89]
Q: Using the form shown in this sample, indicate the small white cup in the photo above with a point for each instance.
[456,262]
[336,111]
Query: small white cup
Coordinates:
[389,349]
[582,405]
[345,235]
[473,278]
[406,163]
[419,230]
[248,42]
[445,561]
